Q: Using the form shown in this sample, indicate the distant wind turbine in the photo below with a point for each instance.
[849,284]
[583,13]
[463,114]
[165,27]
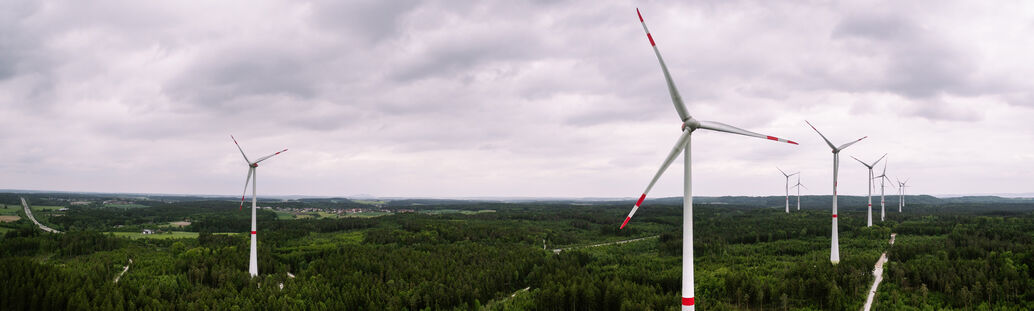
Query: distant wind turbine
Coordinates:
[901,193]
[786,187]
[868,211]
[882,177]
[798,186]
[253,178]
[834,250]
[689,124]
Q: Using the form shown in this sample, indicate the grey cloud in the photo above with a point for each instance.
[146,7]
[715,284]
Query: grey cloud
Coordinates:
[371,20]
[918,62]
[245,71]
[568,92]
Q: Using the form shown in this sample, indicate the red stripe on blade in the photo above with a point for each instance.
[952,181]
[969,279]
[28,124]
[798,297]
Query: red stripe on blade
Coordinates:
[640,15]
[641,198]
[834,215]
[625,223]
[773,138]
[651,39]
[792,142]
[687,301]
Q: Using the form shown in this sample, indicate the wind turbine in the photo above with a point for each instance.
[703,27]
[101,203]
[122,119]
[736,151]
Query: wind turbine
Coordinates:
[901,193]
[689,124]
[834,250]
[882,177]
[787,188]
[798,186]
[868,212]
[253,178]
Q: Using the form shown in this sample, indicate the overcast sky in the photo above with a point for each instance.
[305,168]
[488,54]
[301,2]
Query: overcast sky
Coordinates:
[511,98]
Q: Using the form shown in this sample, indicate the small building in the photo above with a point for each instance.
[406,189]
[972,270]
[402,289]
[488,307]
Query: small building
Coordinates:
[147,231]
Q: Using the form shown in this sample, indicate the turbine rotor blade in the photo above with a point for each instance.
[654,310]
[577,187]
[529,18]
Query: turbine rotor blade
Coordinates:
[844,146]
[246,180]
[860,161]
[820,135]
[722,127]
[268,156]
[878,160]
[676,99]
[242,150]
[781,171]
[679,145]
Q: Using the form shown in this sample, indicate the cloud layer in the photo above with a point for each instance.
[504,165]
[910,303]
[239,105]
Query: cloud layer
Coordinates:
[445,99]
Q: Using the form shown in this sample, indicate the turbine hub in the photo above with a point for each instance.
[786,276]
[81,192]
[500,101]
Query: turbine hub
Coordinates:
[691,124]
[254,165]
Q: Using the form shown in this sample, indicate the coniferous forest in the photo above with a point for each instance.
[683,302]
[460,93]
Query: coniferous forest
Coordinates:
[445,255]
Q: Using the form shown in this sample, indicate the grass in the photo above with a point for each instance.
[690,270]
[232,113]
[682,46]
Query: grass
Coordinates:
[166,235]
[175,224]
[327,215]
[366,214]
[45,207]
[11,210]
[130,205]
[369,202]
[283,215]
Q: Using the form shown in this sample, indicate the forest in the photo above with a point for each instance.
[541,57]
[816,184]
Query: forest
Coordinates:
[504,257]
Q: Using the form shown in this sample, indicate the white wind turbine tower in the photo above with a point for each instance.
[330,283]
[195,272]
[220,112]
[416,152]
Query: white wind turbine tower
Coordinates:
[786,187]
[901,193]
[253,178]
[834,250]
[882,177]
[798,186]
[689,124]
[868,212]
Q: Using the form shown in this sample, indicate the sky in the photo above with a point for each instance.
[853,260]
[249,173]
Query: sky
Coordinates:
[511,98]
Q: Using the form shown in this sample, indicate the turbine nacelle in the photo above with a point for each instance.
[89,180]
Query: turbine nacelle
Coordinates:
[691,124]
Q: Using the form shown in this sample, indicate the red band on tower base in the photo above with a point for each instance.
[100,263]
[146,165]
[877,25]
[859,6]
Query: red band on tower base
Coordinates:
[687,301]
[834,215]
[253,232]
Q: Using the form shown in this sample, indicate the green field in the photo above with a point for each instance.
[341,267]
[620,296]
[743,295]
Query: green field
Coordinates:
[131,205]
[366,214]
[164,235]
[284,215]
[328,215]
[45,207]
[11,210]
